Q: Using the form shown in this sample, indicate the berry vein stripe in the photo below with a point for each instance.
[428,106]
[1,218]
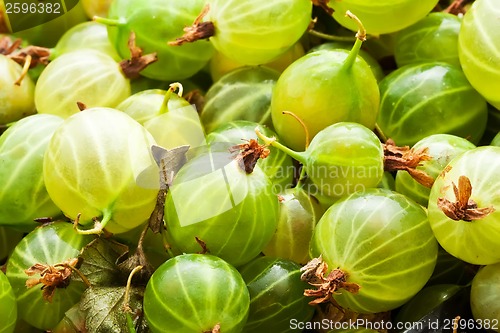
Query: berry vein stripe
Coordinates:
[488,66]
[382,246]
[27,158]
[483,31]
[433,97]
[171,309]
[481,181]
[187,296]
[355,234]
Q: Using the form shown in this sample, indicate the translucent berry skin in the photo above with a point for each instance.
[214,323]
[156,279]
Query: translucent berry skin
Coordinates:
[441,149]
[278,165]
[242,94]
[172,125]
[482,236]
[477,49]
[370,60]
[96,80]
[321,91]
[382,17]
[383,242]
[257,32]
[434,38]
[344,158]
[299,213]
[50,244]
[116,181]
[85,35]
[16,101]
[238,225]
[194,293]
[276,295]
[484,296]
[422,99]
[23,194]
[8,305]
[174,62]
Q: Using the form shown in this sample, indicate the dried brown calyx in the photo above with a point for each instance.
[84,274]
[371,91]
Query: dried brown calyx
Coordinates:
[249,154]
[27,57]
[199,30]
[464,208]
[403,158]
[38,56]
[8,46]
[51,277]
[314,273]
[323,4]
[137,62]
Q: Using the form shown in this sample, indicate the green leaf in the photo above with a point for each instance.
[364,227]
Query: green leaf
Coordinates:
[100,259]
[104,311]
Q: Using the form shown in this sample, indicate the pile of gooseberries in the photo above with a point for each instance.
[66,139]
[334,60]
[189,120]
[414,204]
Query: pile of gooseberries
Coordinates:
[230,166]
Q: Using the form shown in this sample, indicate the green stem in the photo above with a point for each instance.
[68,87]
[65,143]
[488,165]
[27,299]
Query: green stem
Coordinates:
[331,37]
[53,53]
[380,133]
[24,71]
[353,54]
[360,38]
[302,177]
[299,156]
[126,300]
[80,274]
[164,104]
[303,124]
[108,21]
[126,297]
[177,86]
[98,225]
[173,87]
[130,323]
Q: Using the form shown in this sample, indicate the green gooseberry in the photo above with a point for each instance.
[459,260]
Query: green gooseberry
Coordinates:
[323,88]
[276,295]
[171,120]
[439,150]
[341,159]
[419,100]
[433,38]
[278,165]
[299,213]
[23,194]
